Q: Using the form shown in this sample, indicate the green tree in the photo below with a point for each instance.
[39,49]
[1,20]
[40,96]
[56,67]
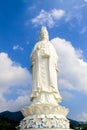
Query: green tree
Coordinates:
[84,127]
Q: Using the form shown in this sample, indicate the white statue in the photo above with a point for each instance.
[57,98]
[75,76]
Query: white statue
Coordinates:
[44,71]
[44,111]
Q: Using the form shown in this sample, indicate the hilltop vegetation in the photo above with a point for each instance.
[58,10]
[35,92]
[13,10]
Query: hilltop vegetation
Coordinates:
[6,124]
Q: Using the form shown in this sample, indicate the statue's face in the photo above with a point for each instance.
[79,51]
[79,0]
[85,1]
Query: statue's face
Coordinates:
[43,36]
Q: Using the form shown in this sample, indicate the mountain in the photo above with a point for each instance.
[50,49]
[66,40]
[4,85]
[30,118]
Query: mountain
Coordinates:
[74,124]
[11,120]
[15,116]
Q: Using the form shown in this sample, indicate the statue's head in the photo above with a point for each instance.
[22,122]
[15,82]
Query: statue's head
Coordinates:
[43,34]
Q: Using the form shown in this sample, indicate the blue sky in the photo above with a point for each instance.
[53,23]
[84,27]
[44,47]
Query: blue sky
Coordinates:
[20,23]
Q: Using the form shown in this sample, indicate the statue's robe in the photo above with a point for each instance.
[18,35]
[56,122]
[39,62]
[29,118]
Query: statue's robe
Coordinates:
[44,73]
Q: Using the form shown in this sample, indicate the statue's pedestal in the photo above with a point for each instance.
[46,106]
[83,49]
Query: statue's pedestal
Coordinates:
[45,116]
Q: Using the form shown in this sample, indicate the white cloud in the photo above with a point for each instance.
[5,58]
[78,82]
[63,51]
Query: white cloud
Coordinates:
[17,47]
[66,96]
[57,14]
[73,14]
[43,18]
[84,29]
[14,105]
[78,7]
[48,18]
[31,8]
[85,0]
[11,76]
[73,69]
[82,117]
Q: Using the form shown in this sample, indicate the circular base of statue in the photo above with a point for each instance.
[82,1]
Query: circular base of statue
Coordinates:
[44,116]
[44,121]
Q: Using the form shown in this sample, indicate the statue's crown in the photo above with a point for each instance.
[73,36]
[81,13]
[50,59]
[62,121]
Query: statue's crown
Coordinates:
[44,29]
[44,33]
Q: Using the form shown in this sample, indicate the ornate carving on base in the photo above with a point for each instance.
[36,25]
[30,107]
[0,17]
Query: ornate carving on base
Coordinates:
[38,116]
[44,121]
[38,109]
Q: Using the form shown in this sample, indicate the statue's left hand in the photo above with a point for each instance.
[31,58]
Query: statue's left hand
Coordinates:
[44,53]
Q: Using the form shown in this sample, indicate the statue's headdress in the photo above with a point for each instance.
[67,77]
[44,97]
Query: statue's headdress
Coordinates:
[43,34]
